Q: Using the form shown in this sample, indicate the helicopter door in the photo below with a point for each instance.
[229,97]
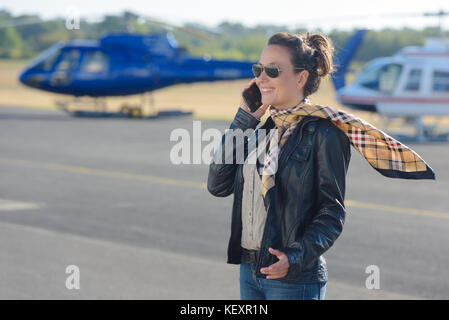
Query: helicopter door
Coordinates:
[62,75]
[94,62]
[388,78]
[413,84]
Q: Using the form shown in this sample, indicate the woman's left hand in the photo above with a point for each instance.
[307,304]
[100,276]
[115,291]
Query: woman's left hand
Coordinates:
[279,269]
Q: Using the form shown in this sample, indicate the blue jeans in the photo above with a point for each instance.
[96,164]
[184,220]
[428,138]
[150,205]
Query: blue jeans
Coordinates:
[252,288]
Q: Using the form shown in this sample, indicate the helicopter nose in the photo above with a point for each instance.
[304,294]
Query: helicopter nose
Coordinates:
[22,77]
[31,80]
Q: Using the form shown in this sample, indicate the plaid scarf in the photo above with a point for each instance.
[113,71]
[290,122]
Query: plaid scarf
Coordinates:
[388,156]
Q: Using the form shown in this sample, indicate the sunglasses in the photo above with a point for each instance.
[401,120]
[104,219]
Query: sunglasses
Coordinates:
[271,70]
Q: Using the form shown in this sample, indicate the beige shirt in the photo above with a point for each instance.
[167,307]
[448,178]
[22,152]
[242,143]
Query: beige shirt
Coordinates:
[253,209]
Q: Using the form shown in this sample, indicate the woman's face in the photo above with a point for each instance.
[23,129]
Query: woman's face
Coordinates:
[286,90]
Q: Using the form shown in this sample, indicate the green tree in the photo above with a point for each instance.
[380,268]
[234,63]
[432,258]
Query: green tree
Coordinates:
[11,44]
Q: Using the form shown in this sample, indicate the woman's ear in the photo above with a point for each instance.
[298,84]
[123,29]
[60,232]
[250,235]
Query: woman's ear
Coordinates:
[302,79]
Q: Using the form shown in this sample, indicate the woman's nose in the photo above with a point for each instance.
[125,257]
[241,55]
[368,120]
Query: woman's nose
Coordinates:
[263,76]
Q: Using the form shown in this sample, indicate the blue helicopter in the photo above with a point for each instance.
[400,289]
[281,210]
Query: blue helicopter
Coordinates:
[124,64]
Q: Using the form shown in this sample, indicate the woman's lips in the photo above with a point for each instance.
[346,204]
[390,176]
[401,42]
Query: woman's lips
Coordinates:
[266,90]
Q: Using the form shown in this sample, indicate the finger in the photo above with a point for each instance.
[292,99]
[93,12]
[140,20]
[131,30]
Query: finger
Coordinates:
[274,268]
[276,272]
[264,107]
[277,253]
[279,266]
[276,276]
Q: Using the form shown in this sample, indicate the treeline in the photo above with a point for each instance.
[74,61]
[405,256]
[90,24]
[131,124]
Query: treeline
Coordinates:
[23,37]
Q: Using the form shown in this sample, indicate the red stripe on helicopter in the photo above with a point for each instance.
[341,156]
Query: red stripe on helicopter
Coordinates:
[427,54]
[394,99]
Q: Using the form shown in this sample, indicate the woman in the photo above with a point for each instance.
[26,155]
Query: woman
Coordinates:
[289,206]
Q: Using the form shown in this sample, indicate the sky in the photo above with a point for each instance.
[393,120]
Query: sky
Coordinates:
[324,14]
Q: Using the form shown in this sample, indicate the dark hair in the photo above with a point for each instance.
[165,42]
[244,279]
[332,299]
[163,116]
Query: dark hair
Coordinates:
[312,52]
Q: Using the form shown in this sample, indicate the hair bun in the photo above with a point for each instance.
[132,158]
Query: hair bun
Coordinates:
[322,52]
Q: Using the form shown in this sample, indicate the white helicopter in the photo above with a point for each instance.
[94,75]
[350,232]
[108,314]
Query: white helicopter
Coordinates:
[411,84]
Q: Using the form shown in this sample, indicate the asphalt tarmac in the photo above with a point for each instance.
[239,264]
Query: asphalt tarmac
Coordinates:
[103,195]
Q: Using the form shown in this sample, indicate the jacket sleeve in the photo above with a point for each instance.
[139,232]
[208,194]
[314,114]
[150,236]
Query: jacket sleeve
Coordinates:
[220,181]
[332,156]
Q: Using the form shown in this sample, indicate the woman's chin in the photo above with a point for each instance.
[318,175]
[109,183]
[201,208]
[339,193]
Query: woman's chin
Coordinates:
[267,102]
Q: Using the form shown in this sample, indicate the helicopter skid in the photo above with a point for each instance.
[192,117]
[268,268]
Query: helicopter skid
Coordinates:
[423,133]
[96,108]
[95,104]
[443,137]
[100,114]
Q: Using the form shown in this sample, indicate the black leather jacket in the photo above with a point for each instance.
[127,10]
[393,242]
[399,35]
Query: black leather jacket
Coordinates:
[305,209]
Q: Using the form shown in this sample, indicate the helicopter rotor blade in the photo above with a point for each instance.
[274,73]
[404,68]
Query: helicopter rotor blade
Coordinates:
[383,16]
[196,32]
[207,35]
[440,13]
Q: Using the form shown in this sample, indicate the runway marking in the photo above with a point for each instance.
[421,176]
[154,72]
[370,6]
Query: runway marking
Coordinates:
[105,173]
[10,205]
[202,185]
[412,211]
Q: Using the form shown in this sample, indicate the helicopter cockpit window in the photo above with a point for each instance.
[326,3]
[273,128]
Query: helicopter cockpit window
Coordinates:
[383,78]
[94,61]
[414,80]
[441,81]
[47,59]
[69,60]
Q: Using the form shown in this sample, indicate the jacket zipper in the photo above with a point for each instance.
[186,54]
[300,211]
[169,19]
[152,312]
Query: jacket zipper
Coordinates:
[263,244]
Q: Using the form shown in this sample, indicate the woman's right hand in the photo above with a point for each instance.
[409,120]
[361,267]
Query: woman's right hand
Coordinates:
[259,112]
